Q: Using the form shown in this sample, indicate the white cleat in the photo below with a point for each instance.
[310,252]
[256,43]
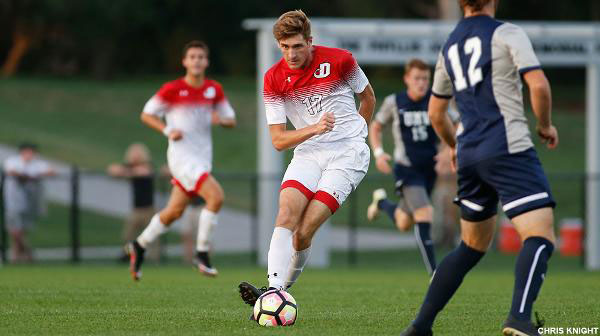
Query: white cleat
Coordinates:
[203,269]
[373,210]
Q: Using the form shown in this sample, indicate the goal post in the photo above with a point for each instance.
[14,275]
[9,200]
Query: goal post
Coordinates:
[393,42]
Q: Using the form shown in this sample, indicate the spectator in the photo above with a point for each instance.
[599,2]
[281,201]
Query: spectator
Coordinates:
[23,197]
[138,169]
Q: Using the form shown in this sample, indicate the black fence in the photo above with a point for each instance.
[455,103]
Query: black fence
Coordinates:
[242,194]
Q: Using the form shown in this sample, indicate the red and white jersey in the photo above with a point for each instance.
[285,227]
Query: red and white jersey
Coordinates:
[328,84]
[189,110]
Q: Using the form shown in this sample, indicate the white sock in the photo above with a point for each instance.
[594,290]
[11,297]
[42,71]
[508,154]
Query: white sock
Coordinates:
[280,253]
[208,220]
[299,260]
[153,230]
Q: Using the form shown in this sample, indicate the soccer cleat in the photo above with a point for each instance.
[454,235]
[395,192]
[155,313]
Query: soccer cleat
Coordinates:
[249,293]
[136,258]
[514,327]
[202,262]
[412,331]
[373,209]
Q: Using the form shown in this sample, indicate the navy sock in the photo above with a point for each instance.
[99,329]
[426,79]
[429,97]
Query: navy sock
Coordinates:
[388,207]
[423,235]
[530,271]
[446,280]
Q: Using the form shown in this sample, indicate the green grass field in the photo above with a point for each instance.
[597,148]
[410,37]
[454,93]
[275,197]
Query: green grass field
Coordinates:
[378,298]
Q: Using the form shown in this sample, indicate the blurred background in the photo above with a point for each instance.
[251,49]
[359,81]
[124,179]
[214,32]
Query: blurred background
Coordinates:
[76,74]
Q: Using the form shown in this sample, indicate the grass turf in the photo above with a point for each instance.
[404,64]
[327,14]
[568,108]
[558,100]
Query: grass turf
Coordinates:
[378,298]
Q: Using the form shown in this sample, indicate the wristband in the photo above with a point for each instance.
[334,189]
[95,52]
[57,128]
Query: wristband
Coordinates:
[377,152]
[167,130]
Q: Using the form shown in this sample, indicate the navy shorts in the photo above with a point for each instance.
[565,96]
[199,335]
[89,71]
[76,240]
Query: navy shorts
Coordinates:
[517,180]
[413,176]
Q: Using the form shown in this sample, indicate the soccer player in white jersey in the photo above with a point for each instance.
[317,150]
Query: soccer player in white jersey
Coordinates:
[184,110]
[314,87]
[481,66]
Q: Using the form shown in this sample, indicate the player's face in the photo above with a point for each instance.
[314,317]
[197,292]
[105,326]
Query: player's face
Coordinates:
[296,51]
[27,154]
[195,61]
[417,81]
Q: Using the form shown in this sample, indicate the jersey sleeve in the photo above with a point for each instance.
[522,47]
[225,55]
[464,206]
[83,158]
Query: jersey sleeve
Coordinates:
[519,46]
[159,103]
[352,73]
[442,84]
[10,164]
[274,102]
[222,106]
[386,111]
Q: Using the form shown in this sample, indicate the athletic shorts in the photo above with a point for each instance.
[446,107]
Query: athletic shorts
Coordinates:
[328,172]
[517,180]
[190,176]
[414,186]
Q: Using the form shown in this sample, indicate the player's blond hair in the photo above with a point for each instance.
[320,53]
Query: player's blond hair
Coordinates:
[137,153]
[290,24]
[476,5]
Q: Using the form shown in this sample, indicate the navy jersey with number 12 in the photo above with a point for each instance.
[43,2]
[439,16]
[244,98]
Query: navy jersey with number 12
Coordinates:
[480,65]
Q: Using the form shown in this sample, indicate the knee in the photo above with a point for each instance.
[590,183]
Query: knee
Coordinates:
[215,201]
[170,215]
[286,218]
[302,239]
[424,214]
[403,221]
[479,243]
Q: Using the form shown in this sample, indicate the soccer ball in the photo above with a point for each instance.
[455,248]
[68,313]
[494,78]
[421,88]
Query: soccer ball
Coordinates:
[275,308]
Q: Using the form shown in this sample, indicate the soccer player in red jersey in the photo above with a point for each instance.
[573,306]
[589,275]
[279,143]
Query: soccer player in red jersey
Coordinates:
[184,110]
[313,87]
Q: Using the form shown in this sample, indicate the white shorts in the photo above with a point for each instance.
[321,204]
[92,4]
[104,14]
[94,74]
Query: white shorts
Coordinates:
[190,175]
[328,172]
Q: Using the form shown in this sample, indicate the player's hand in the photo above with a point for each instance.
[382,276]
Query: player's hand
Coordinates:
[325,124]
[549,136]
[443,162]
[382,163]
[453,163]
[175,135]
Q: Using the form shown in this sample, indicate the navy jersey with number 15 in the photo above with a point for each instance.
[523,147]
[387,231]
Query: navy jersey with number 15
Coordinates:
[480,65]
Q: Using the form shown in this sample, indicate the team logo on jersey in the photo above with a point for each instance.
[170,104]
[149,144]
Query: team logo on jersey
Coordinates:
[323,71]
[210,93]
[184,93]
[288,79]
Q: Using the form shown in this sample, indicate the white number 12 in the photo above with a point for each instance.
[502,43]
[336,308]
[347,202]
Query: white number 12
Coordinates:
[473,48]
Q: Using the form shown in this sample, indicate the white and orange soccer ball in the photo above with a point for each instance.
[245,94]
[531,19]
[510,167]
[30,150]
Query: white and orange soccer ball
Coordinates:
[275,308]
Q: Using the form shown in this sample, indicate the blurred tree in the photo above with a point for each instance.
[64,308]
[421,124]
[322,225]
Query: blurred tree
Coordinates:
[103,38]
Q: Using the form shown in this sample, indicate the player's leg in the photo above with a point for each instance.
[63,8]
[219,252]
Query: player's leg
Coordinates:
[419,205]
[212,193]
[476,239]
[293,200]
[478,202]
[403,217]
[343,174]
[297,189]
[159,224]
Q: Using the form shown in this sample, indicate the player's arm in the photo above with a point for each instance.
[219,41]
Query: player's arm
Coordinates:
[157,123]
[153,112]
[283,138]
[225,115]
[367,103]
[541,103]
[383,117]
[440,121]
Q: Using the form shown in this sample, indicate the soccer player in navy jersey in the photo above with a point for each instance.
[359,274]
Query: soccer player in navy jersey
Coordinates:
[481,65]
[415,154]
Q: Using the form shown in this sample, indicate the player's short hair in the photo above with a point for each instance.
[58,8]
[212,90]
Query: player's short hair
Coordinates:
[415,63]
[474,4]
[28,145]
[292,23]
[194,44]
